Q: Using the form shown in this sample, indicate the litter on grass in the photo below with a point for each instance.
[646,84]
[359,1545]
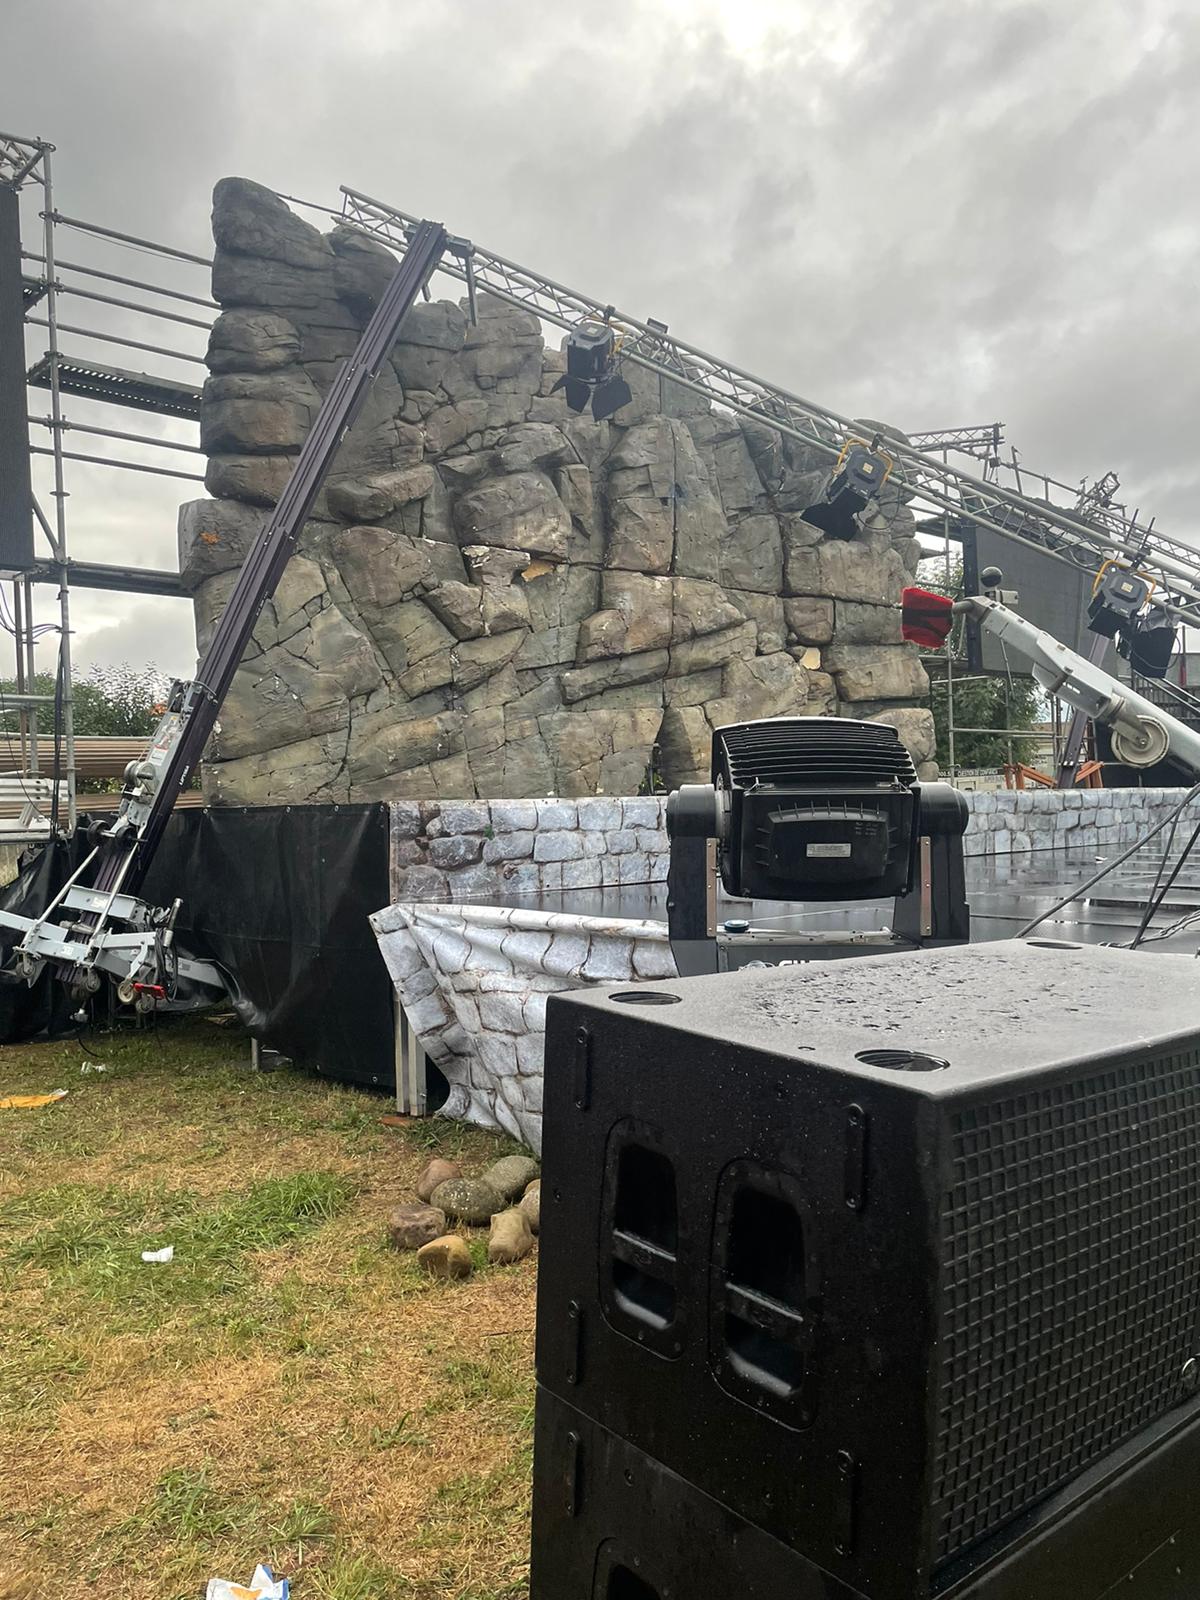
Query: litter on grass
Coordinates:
[31,1102]
[264,1585]
[161,1257]
[94,1066]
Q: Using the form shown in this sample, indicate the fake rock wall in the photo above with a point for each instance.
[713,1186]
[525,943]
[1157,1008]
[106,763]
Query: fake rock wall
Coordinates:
[495,597]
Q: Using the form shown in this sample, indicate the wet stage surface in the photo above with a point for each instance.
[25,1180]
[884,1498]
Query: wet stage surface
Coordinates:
[1005,893]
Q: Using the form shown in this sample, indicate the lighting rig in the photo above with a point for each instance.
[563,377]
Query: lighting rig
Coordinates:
[593,369]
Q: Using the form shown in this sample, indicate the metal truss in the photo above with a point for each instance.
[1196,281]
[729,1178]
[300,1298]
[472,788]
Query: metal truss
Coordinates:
[20,158]
[1083,533]
[983,441]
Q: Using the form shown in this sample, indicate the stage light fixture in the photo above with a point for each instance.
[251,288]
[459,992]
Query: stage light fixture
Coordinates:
[1117,597]
[1149,643]
[592,373]
[861,471]
[1119,609]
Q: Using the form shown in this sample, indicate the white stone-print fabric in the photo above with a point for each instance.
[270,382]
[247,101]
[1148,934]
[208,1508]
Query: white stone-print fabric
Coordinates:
[474,980]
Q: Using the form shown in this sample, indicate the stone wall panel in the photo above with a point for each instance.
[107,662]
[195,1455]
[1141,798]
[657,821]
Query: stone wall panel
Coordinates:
[494,594]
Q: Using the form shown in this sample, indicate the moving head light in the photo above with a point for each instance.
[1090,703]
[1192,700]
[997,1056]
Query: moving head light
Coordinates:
[861,471]
[819,808]
[812,809]
[1117,597]
[1119,609]
[592,374]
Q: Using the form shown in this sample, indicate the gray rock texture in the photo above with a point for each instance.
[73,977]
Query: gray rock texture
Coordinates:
[495,597]
[468,1200]
[409,1227]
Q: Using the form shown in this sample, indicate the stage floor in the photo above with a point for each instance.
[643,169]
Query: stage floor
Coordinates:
[1004,893]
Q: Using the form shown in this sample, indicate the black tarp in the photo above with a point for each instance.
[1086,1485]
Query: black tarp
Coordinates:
[26,1012]
[279,897]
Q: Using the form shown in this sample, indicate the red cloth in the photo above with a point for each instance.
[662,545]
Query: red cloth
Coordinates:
[925,618]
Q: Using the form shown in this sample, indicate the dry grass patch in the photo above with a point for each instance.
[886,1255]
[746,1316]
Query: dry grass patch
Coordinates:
[288,1389]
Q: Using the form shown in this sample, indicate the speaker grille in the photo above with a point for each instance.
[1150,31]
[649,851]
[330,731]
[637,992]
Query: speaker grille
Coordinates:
[1070,1291]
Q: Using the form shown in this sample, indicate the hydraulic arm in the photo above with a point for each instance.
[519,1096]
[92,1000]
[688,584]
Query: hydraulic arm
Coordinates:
[1142,733]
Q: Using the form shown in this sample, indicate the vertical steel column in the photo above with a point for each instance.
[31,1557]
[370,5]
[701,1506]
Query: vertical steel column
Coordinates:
[27,644]
[60,498]
[1079,722]
[18,647]
[949,659]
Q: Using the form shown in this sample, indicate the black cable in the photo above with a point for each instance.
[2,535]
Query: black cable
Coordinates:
[1152,896]
[1110,866]
[1151,908]
[91,1054]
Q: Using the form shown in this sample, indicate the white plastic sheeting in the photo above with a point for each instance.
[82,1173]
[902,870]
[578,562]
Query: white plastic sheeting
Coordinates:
[474,980]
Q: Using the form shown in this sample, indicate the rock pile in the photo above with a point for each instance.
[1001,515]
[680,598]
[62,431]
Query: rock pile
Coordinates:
[507,1198]
[495,597]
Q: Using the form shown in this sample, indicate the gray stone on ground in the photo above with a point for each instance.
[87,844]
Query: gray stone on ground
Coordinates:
[409,1227]
[511,1238]
[511,1175]
[469,1200]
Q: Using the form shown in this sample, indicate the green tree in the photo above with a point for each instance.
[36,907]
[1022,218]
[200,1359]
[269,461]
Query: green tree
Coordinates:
[110,702]
[120,702]
[1001,703]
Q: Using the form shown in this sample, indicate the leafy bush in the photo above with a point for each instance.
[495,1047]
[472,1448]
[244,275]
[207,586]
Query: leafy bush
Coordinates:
[110,702]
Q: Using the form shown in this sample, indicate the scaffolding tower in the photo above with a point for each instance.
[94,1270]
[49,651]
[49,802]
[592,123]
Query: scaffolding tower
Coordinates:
[41,747]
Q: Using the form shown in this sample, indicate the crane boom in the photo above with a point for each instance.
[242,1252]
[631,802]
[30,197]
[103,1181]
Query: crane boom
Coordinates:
[1084,535]
[1142,732]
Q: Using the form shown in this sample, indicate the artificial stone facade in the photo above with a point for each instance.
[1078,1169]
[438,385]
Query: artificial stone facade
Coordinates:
[495,597]
[515,851]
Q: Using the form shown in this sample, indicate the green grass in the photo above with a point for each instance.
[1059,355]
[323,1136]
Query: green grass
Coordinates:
[356,1577]
[90,1241]
[190,1505]
[288,1389]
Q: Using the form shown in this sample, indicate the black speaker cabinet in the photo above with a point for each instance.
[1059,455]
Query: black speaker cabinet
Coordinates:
[16,498]
[611,1523]
[890,1257]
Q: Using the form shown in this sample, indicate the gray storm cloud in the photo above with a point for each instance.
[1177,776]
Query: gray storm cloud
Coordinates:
[943,212]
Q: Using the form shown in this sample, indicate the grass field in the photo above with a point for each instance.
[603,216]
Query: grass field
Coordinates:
[289,1389]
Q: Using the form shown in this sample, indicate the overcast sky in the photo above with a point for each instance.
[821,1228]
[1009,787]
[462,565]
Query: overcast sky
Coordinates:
[932,211]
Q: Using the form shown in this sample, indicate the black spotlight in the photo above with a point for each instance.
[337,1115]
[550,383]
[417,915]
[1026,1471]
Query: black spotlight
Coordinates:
[592,371]
[1149,643]
[1117,597]
[862,470]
